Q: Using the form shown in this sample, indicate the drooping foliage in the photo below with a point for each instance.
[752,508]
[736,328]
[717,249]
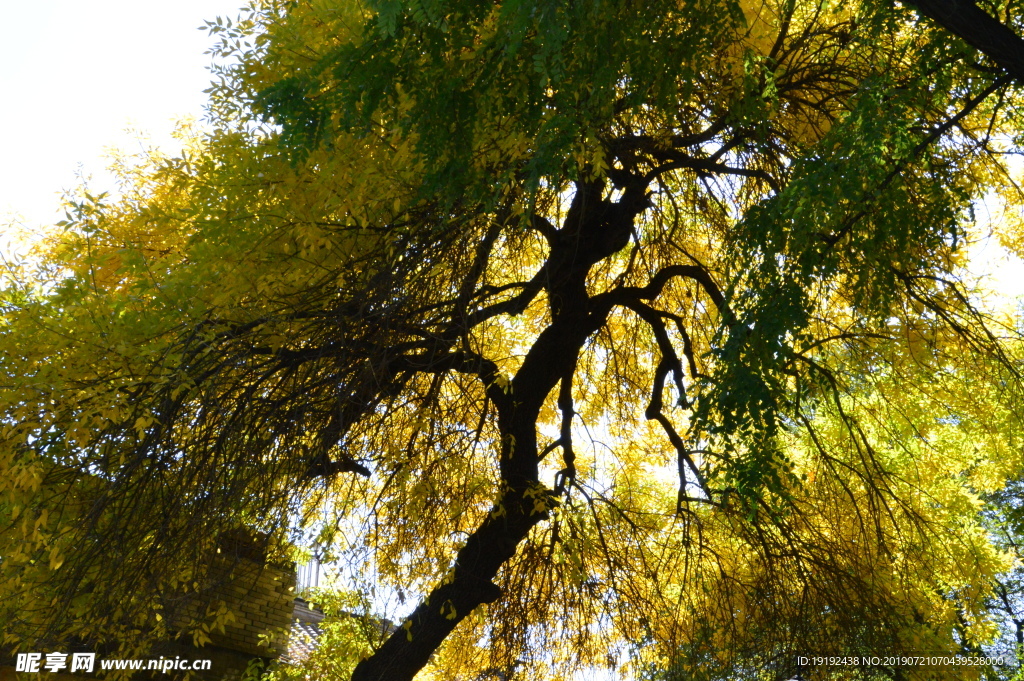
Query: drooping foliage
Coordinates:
[637,335]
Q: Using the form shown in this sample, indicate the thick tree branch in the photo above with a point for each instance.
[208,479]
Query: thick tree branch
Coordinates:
[628,294]
[708,166]
[565,405]
[514,305]
[980,30]
[668,353]
[631,143]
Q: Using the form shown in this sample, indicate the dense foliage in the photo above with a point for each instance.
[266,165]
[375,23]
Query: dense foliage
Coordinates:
[636,335]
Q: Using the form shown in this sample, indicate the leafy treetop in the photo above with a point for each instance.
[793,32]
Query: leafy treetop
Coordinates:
[568,320]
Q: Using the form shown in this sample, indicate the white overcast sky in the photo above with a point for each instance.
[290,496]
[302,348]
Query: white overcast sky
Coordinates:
[74,74]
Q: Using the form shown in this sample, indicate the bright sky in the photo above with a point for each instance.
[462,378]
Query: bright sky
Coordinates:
[76,74]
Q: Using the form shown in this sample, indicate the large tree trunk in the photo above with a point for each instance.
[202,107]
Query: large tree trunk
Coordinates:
[594,229]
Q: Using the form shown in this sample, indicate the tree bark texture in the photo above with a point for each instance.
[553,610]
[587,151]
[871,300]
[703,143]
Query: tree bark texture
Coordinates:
[594,228]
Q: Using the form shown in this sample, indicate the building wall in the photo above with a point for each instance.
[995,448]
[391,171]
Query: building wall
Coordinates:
[262,599]
[260,596]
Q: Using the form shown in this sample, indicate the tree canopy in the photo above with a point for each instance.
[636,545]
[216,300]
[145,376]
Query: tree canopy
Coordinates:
[636,335]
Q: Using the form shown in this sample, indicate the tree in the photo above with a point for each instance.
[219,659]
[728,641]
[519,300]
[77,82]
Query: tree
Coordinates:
[1003,509]
[567,319]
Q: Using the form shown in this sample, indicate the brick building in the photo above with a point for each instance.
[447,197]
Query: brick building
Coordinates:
[262,597]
